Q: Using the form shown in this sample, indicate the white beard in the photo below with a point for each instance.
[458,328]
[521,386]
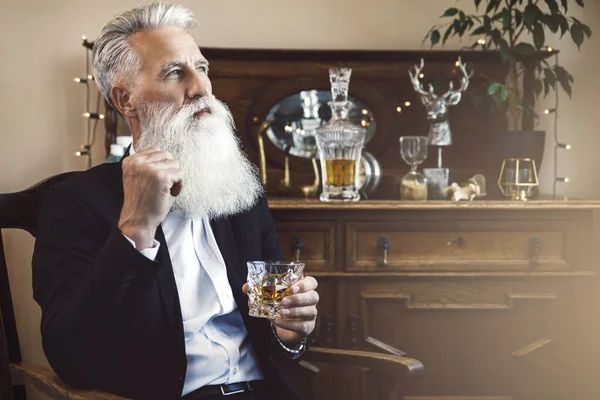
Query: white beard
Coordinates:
[218,179]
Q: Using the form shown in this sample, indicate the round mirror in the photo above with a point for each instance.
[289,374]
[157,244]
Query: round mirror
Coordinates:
[296,117]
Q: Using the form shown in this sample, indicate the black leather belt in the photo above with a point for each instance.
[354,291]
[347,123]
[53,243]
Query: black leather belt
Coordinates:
[225,390]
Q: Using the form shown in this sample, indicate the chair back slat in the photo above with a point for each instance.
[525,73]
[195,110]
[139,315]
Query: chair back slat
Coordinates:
[18,210]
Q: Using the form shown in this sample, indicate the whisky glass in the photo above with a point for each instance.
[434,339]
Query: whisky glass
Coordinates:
[269,282]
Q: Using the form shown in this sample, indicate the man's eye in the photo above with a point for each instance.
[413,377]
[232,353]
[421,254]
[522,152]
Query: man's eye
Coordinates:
[174,73]
[203,69]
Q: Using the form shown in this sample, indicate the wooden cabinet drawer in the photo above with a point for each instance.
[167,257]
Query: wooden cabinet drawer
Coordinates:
[316,240]
[474,245]
[484,336]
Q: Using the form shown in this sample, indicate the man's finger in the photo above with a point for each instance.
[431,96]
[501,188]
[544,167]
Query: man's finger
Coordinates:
[307,312]
[310,298]
[305,285]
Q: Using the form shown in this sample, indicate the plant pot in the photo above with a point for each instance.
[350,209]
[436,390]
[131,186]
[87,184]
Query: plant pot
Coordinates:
[514,144]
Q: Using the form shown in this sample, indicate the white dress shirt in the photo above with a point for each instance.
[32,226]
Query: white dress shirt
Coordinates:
[216,340]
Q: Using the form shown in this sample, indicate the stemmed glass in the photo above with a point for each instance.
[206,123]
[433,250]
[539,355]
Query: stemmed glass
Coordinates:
[414,151]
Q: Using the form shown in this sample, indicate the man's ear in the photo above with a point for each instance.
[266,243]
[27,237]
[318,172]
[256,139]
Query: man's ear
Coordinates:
[122,99]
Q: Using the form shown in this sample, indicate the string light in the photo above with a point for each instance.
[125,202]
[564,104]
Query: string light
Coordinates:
[365,111]
[85,150]
[550,49]
[407,104]
[481,42]
[564,146]
[399,109]
[80,80]
[565,179]
[421,75]
[549,111]
[93,115]
[457,64]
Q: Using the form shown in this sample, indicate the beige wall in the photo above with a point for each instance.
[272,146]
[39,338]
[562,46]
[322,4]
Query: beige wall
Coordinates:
[40,106]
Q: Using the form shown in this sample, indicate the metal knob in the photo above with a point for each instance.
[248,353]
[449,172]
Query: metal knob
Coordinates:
[384,246]
[297,246]
[535,248]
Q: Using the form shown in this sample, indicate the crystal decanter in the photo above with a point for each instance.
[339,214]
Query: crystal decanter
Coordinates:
[340,143]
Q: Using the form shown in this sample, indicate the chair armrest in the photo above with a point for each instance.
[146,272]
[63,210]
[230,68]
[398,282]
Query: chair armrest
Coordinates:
[47,382]
[397,365]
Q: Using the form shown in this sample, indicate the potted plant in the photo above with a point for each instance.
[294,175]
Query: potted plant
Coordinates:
[518,30]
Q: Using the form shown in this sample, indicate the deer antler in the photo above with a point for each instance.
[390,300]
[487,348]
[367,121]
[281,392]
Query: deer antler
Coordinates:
[464,81]
[417,83]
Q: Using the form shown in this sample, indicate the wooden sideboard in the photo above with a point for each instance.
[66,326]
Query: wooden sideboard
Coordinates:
[499,300]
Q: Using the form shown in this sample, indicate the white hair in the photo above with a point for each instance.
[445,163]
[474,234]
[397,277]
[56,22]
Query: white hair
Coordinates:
[113,57]
[218,179]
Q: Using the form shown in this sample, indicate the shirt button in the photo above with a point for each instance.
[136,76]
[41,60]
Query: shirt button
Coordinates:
[235,370]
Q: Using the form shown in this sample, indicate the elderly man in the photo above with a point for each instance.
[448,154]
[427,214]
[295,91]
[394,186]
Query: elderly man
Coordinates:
[139,266]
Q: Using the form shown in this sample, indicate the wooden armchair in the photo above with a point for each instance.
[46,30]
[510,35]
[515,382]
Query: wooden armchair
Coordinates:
[19,211]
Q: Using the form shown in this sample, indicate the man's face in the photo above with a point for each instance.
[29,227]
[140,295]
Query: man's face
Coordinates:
[173,70]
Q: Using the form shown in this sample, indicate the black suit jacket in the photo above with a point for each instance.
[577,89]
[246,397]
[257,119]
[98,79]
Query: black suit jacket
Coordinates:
[110,316]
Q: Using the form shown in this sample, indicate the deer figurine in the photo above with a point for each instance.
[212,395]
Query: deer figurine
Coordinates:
[438,106]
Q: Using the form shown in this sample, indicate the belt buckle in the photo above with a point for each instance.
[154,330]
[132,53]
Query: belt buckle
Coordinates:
[230,393]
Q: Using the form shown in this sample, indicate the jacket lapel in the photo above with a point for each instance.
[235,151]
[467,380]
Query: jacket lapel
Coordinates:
[167,285]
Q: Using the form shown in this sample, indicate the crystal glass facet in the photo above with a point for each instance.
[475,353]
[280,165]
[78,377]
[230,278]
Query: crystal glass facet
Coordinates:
[414,151]
[269,282]
[340,143]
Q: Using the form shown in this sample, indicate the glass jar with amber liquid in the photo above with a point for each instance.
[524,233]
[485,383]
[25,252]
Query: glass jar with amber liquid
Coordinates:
[340,143]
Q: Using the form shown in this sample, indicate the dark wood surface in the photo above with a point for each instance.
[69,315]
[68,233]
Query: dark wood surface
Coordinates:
[490,318]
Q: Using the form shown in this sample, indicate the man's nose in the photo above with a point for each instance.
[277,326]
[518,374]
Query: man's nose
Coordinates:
[199,86]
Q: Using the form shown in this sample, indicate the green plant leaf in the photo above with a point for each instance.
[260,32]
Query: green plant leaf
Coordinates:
[449,32]
[504,93]
[547,87]
[477,2]
[525,49]
[506,18]
[565,5]
[586,30]
[504,50]
[579,3]
[549,76]
[539,36]
[482,30]
[435,37]
[518,18]
[551,21]
[491,5]
[577,34]
[451,12]
[531,15]
[494,88]
[563,23]
[564,78]
[538,86]
[553,6]
[487,22]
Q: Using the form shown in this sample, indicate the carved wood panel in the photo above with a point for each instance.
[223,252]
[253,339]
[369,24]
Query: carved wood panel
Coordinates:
[504,337]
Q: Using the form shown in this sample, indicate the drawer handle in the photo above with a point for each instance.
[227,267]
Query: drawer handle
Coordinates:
[297,246]
[384,246]
[535,248]
[457,242]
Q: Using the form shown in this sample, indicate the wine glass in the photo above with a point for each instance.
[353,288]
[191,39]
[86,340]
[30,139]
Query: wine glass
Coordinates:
[414,151]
